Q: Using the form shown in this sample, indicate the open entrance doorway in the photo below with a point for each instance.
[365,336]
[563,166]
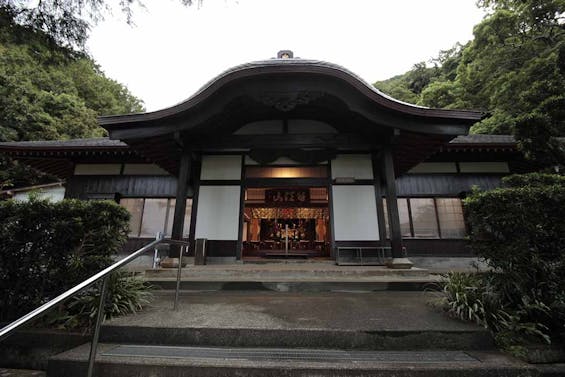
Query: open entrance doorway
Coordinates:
[286,223]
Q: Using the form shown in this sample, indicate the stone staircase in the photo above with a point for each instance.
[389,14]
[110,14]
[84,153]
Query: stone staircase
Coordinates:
[269,333]
[288,276]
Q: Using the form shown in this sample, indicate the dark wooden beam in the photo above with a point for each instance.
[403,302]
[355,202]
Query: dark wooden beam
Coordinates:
[287,182]
[180,206]
[239,250]
[379,196]
[392,204]
[196,191]
[350,141]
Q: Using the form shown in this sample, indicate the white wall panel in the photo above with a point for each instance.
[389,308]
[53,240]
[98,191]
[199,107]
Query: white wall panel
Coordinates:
[53,194]
[221,167]
[218,212]
[355,213]
[98,169]
[358,166]
[484,167]
[434,167]
[143,169]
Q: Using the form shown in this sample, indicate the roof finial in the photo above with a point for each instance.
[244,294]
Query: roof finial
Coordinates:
[285,54]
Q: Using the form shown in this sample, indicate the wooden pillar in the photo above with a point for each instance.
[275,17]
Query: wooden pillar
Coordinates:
[399,259]
[239,250]
[180,206]
[195,181]
[379,197]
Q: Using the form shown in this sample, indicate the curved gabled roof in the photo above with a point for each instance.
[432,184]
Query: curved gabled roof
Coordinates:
[275,66]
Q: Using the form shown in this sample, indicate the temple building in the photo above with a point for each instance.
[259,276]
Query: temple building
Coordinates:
[288,157]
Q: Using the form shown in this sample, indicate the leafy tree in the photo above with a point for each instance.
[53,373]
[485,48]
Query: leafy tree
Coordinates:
[514,69]
[397,87]
[49,92]
[410,86]
[67,22]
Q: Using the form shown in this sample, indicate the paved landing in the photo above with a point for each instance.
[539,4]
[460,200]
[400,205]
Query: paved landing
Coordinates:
[375,311]
[291,272]
[21,373]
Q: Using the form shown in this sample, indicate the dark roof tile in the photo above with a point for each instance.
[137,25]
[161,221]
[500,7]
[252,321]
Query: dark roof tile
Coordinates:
[484,139]
[98,142]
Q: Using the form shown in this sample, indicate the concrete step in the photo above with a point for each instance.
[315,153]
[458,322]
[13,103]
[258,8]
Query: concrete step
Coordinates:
[475,339]
[347,320]
[6,372]
[290,272]
[186,284]
[133,360]
[309,277]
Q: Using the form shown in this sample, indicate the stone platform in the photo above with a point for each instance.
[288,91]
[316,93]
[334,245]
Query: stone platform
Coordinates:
[250,333]
[291,276]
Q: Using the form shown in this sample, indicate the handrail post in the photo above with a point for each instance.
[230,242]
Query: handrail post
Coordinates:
[158,237]
[99,319]
[179,272]
[286,241]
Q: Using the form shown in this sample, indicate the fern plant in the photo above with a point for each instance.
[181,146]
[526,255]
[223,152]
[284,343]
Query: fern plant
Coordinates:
[127,294]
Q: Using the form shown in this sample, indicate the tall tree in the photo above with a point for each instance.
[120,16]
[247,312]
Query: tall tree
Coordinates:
[67,22]
[514,69]
[50,92]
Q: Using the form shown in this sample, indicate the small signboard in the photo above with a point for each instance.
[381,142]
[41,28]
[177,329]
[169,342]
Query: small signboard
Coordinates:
[287,196]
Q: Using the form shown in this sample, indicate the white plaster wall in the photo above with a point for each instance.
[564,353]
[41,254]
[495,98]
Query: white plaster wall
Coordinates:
[218,212]
[143,169]
[355,213]
[434,167]
[221,168]
[98,169]
[484,167]
[358,166]
[53,194]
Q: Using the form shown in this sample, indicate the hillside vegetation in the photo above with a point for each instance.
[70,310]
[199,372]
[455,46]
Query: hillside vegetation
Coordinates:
[514,69]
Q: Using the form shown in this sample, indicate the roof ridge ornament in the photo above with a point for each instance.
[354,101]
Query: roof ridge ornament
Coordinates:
[285,54]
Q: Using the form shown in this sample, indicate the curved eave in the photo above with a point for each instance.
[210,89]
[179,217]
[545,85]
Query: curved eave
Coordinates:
[26,148]
[57,157]
[479,147]
[290,66]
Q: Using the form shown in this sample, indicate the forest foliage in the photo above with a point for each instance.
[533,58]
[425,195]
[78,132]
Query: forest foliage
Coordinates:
[46,248]
[50,92]
[68,22]
[514,69]
[519,232]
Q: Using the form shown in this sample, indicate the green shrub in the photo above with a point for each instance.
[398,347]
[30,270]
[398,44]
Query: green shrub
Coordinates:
[473,297]
[126,295]
[463,296]
[46,248]
[520,232]
[533,179]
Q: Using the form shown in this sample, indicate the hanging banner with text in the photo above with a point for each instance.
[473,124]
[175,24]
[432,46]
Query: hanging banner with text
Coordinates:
[287,196]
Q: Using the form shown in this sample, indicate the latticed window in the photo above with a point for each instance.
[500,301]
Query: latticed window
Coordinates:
[152,215]
[429,218]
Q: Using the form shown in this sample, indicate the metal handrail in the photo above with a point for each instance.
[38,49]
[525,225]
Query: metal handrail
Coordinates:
[104,274]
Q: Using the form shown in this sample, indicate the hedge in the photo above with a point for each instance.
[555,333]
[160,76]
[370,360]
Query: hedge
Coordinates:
[46,248]
[533,179]
[520,232]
